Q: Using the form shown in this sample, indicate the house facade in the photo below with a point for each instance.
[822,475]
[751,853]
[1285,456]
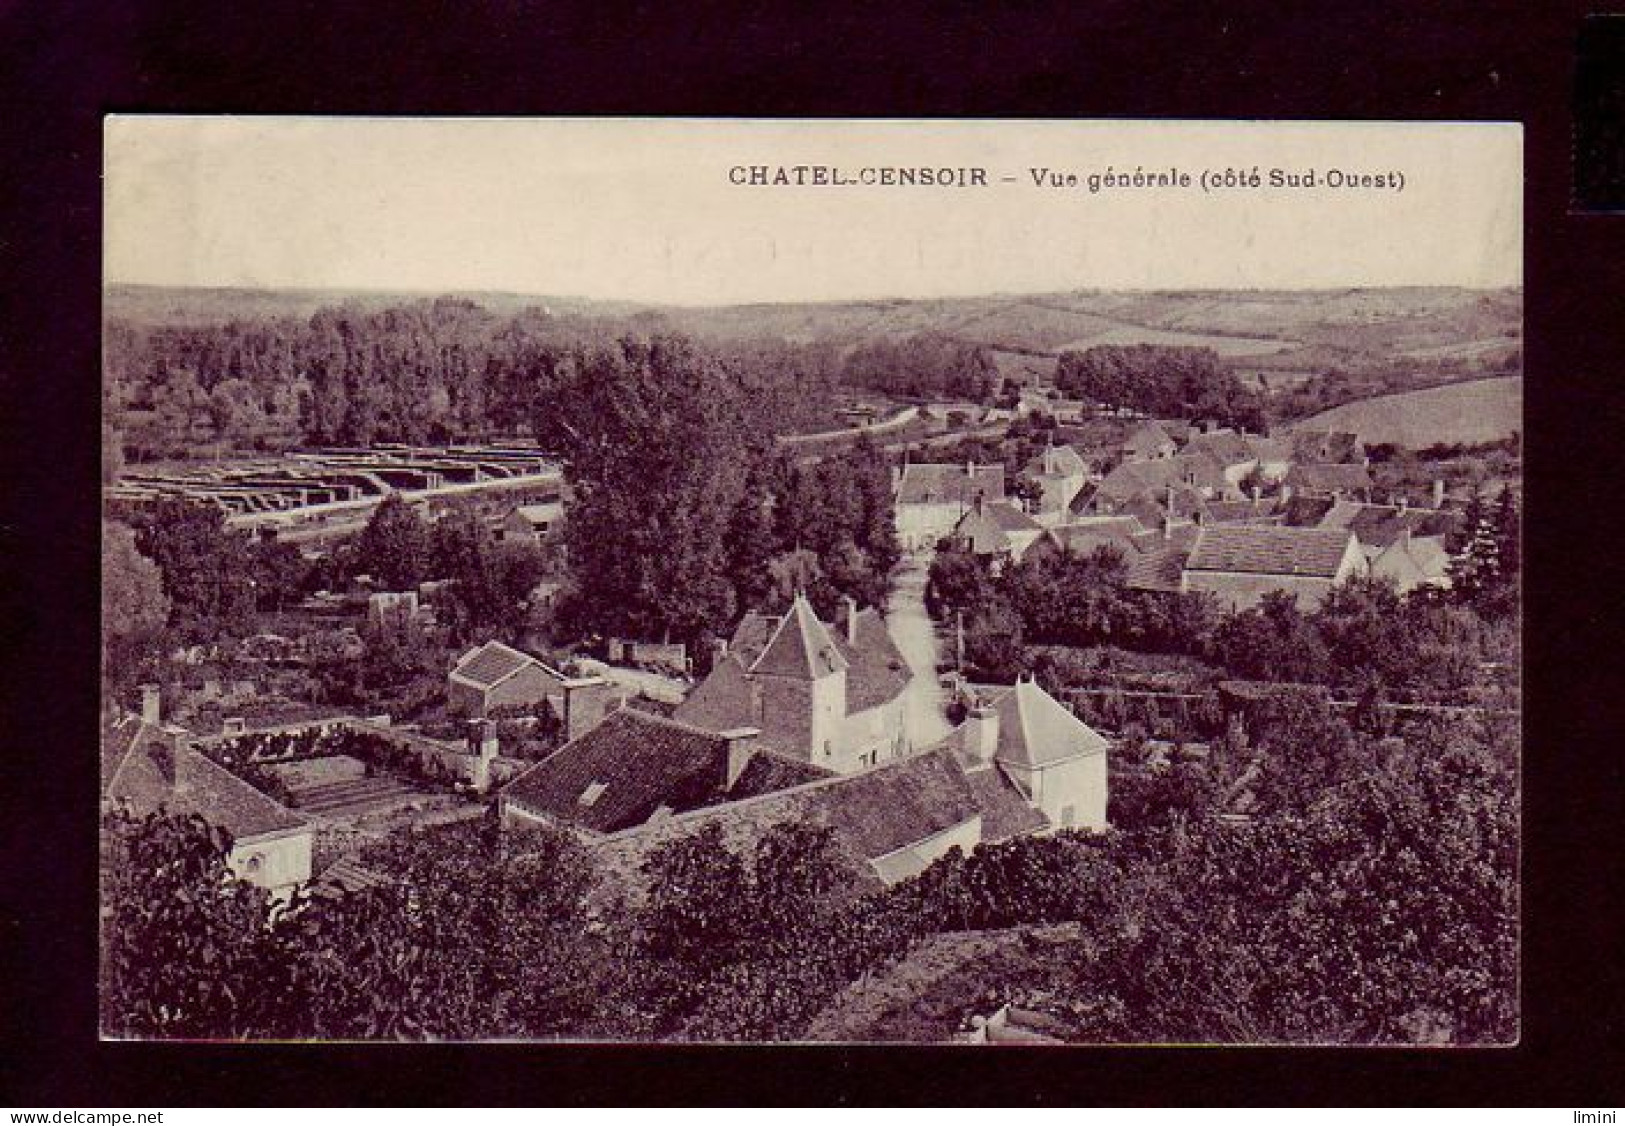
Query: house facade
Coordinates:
[932,498]
[831,696]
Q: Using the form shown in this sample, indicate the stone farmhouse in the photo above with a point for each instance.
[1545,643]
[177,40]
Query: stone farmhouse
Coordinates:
[495,676]
[932,498]
[828,696]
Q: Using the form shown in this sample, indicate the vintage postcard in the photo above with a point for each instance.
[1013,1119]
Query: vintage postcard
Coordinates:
[950,582]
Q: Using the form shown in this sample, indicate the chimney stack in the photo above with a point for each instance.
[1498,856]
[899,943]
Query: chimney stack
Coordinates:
[1404,503]
[585,701]
[1438,492]
[151,704]
[482,739]
[851,619]
[740,750]
[1256,493]
[981,739]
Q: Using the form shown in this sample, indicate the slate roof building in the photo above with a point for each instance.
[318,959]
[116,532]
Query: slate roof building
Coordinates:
[1413,561]
[1061,473]
[1327,447]
[829,696]
[1240,563]
[931,498]
[147,767]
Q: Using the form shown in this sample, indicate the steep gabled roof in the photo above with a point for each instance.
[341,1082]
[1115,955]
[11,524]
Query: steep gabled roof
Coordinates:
[1159,570]
[1036,729]
[801,647]
[1263,549]
[987,527]
[1147,438]
[1057,461]
[492,663]
[877,671]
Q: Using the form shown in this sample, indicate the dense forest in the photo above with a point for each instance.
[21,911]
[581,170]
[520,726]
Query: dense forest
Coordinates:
[450,369]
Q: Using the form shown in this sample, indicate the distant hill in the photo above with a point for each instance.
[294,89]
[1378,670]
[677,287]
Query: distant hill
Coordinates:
[1480,410]
[1432,332]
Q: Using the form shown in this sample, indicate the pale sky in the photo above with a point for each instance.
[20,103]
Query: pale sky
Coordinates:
[643,210]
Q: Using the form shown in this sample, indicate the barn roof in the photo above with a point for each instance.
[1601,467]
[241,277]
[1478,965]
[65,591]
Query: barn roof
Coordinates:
[1265,549]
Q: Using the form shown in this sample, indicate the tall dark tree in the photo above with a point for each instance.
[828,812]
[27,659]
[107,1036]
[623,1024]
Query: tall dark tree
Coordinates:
[394,547]
[206,568]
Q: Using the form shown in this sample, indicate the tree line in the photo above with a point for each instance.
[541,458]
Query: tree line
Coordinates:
[1163,381]
[450,369]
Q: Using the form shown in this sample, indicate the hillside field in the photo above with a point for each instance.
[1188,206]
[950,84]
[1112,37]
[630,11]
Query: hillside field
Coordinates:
[1481,410]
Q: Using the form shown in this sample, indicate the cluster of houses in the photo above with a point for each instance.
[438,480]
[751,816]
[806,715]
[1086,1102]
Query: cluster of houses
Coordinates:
[1192,509]
[799,720]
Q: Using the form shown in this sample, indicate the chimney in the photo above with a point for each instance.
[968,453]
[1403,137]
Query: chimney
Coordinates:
[981,737]
[1256,493]
[151,704]
[970,471]
[851,619]
[740,749]
[1404,503]
[1438,492]
[482,739]
[1286,493]
[585,701]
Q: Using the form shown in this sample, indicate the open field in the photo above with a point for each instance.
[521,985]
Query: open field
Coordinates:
[1481,410]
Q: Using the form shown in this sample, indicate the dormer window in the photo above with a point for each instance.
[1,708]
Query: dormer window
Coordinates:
[591,794]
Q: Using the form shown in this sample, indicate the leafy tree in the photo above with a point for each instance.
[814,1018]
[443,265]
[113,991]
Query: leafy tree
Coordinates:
[206,572]
[395,546]
[134,607]
[280,572]
[184,943]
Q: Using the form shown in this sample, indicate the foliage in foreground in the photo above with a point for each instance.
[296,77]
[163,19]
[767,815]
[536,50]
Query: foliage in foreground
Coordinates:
[1374,903]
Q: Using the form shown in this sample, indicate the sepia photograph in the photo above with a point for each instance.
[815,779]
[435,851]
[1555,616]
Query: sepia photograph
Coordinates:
[951,582]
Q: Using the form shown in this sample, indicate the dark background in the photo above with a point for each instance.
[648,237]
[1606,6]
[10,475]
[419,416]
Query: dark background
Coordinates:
[67,63]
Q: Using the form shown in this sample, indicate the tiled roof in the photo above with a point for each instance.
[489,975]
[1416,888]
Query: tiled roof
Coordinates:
[1327,478]
[1005,811]
[874,813]
[1378,525]
[159,770]
[1228,447]
[1243,511]
[768,772]
[1056,461]
[633,763]
[1181,535]
[1325,446]
[1269,550]
[988,526]
[924,483]
[1087,538]
[1036,729]
[876,672]
[1158,570]
[1425,556]
[876,669]
[801,647]
[1270,449]
[1147,438]
[348,875]
[494,662]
